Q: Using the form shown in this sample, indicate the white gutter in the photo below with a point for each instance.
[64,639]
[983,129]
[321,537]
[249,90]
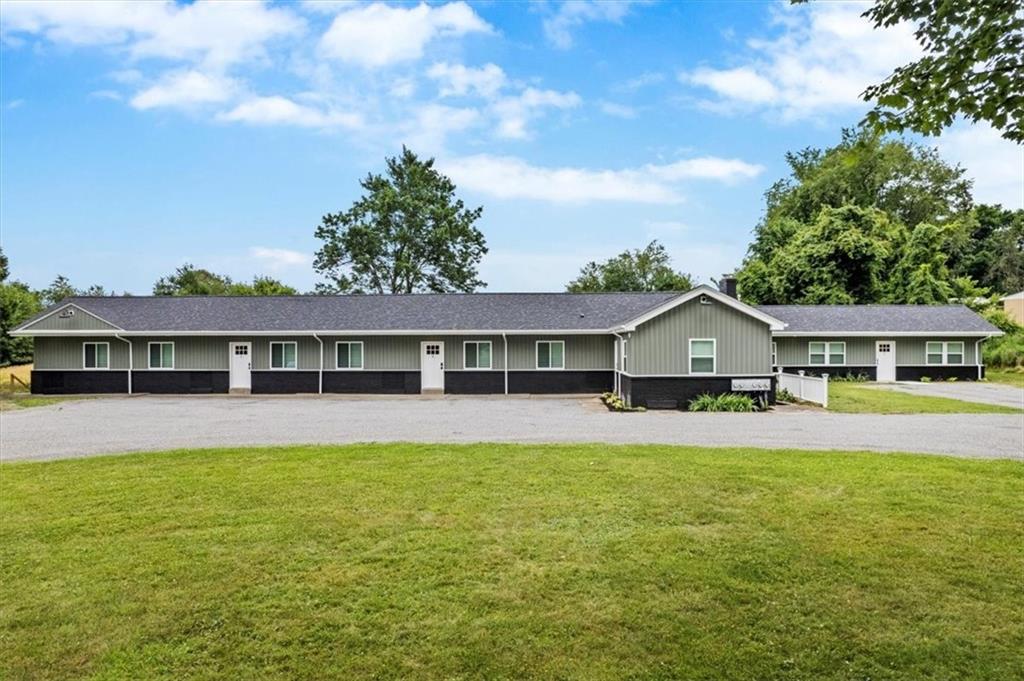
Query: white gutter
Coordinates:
[131,361]
[504,361]
[320,373]
[977,356]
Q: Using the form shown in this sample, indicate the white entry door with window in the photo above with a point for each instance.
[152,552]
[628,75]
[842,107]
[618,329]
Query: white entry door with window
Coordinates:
[885,360]
[432,366]
[241,365]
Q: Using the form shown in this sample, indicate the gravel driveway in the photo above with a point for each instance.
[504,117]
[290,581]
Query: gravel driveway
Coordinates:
[122,424]
[986,393]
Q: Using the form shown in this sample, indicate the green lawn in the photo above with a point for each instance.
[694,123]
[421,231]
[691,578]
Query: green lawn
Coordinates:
[505,561]
[858,398]
[1007,376]
[22,400]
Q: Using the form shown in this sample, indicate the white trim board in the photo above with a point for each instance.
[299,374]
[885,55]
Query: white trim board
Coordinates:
[21,327]
[886,334]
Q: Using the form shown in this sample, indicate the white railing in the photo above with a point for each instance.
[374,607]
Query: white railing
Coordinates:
[806,388]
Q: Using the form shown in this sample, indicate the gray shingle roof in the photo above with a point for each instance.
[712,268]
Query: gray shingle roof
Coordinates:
[879,318]
[426,312]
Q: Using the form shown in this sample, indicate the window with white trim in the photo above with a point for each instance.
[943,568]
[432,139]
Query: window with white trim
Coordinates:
[284,354]
[476,355]
[939,352]
[826,354]
[161,355]
[550,354]
[775,354]
[702,355]
[96,355]
[349,355]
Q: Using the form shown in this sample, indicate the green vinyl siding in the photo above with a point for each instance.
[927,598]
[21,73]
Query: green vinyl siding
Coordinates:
[661,345]
[860,350]
[80,321]
[380,353]
[67,354]
[582,353]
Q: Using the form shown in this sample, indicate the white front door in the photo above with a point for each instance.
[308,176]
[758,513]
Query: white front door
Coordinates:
[432,366]
[240,357]
[885,360]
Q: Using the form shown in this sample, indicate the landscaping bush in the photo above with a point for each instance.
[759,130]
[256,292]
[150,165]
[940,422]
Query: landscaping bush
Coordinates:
[723,402]
[849,378]
[616,403]
[784,395]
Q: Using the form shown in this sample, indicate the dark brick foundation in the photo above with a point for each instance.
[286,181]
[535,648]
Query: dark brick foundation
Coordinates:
[179,382]
[79,382]
[672,392]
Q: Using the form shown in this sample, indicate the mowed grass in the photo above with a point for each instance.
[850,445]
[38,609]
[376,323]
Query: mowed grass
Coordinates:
[1007,376]
[506,561]
[858,398]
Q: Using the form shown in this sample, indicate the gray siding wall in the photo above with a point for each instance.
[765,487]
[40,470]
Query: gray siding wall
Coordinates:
[81,321]
[582,353]
[860,350]
[66,353]
[662,345]
[380,353]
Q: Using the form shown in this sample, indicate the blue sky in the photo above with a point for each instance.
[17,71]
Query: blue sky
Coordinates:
[139,137]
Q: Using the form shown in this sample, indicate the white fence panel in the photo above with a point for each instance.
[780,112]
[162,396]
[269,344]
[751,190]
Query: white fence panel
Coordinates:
[806,388]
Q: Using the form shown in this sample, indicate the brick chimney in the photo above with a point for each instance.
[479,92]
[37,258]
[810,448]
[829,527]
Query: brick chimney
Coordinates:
[727,285]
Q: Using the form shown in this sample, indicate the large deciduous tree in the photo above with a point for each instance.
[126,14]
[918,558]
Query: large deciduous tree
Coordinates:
[870,220]
[973,66]
[407,233]
[17,303]
[189,280]
[649,269]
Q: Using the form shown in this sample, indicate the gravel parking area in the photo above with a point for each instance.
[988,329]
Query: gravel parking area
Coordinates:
[124,424]
[986,393]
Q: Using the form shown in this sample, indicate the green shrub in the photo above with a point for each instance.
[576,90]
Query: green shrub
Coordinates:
[850,378]
[723,402]
[926,379]
[1004,351]
[784,395]
[616,403]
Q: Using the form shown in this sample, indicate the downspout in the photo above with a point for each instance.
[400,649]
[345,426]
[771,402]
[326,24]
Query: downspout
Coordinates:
[320,372]
[131,361]
[977,354]
[620,348]
[504,361]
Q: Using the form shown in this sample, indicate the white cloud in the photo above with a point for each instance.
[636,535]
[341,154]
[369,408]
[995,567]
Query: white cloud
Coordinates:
[515,113]
[15,103]
[513,178]
[825,57]
[641,81]
[995,164]
[456,80]
[558,27]
[215,33]
[113,95]
[430,126]
[277,259]
[743,84]
[618,110]
[277,110]
[184,89]
[378,35]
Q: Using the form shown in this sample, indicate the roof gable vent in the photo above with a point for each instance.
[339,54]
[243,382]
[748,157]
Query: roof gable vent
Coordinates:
[65,314]
[704,300]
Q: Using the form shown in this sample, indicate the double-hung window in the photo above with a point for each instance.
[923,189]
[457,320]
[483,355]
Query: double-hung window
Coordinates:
[826,354]
[284,354]
[702,355]
[96,355]
[938,352]
[775,354]
[349,355]
[550,354]
[161,355]
[476,355]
